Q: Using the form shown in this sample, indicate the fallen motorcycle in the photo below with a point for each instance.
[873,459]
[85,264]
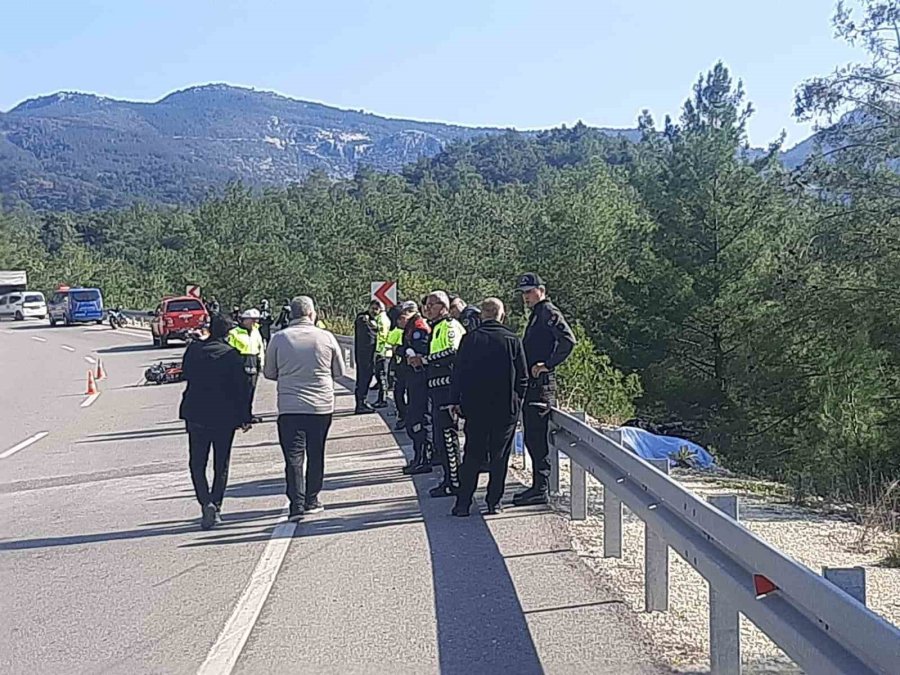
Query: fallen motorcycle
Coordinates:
[164,372]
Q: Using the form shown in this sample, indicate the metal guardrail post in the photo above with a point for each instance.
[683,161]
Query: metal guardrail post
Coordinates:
[554,466]
[578,482]
[851,580]
[724,618]
[612,524]
[656,561]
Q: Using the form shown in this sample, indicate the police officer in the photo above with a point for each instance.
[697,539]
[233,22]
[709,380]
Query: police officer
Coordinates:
[548,342]
[397,369]
[415,346]
[365,337]
[266,319]
[468,315]
[446,334]
[246,338]
[382,355]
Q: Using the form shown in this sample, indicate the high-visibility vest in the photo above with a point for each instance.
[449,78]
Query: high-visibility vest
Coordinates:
[447,334]
[383,327]
[248,343]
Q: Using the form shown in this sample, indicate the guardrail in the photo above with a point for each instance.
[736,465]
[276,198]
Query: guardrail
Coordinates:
[822,623]
[138,318]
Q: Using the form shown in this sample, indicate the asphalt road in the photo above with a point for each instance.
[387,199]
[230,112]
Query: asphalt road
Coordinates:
[103,567]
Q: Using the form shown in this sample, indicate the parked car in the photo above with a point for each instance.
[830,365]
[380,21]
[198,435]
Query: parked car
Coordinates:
[76,305]
[21,305]
[178,318]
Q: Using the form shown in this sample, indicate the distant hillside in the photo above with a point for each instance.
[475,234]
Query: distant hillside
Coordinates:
[79,151]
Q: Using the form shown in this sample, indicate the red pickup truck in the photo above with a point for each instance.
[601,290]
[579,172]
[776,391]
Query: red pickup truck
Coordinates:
[177,318]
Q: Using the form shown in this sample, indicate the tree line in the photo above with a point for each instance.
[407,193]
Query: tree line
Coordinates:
[709,284]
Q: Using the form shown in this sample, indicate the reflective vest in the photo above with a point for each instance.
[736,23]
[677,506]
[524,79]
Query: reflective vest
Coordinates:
[383,328]
[248,343]
[447,335]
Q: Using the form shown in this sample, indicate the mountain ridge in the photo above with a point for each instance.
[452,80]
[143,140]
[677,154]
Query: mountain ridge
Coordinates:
[80,151]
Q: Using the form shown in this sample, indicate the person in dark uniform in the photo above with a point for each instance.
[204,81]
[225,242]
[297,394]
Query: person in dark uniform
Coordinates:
[488,386]
[266,319]
[416,343]
[365,336]
[468,315]
[548,342]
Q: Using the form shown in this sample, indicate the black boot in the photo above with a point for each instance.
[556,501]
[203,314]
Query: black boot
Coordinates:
[380,403]
[532,496]
[363,408]
[442,490]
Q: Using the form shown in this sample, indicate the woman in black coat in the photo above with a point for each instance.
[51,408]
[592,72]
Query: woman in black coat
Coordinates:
[216,402]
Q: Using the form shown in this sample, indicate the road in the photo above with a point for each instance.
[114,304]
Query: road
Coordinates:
[103,567]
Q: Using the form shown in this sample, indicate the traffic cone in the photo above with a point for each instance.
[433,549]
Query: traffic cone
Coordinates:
[91,385]
[101,374]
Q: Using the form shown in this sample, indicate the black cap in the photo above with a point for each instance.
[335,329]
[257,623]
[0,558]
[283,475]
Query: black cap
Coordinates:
[528,281]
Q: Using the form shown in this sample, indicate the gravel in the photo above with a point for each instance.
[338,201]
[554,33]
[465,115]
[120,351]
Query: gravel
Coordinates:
[681,635]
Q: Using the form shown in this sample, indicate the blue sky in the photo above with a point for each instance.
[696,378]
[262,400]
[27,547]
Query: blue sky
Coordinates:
[519,63]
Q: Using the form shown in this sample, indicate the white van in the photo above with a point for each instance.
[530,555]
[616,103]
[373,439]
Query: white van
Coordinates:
[21,305]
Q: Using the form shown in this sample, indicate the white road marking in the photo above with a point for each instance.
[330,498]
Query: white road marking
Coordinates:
[90,399]
[140,381]
[68,348]
[24,444]
[39,339]
[225,652]
[90,359]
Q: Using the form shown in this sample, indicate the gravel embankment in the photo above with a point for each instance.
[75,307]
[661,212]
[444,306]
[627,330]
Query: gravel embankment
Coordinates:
[681,634]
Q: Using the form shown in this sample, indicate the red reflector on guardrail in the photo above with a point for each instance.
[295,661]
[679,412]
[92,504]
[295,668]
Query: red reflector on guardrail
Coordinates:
[763,586]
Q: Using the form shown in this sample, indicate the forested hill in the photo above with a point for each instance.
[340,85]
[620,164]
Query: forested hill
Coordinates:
[79,151]
[73,151]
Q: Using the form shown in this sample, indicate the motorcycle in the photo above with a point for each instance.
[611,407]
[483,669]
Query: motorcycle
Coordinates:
[116,319]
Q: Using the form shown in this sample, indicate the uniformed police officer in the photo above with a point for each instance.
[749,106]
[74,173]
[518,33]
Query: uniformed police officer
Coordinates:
[397,370]
[382,355]
[548,342]
[415,346]
[446,335]
[468,315]
[246,338]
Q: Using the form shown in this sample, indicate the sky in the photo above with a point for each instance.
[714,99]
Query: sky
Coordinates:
[508,63]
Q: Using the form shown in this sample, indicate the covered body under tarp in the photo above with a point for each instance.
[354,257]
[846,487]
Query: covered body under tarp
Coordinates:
[676,450]
[13,280]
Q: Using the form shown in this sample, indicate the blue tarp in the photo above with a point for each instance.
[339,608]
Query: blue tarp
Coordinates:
[651,446]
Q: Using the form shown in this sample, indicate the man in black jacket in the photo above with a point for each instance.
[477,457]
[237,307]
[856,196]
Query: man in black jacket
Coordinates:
[365,335]
[548,342]
[487,389]
[215,403]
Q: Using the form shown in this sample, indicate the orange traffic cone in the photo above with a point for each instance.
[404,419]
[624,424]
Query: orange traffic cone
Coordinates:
[101,374]
[91,386]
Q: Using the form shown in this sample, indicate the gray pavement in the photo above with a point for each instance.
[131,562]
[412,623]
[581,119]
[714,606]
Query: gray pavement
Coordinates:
[103,567]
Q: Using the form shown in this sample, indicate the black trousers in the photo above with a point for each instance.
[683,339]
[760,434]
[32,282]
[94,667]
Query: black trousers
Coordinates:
[252,380]
[400,392]
[541,393]
[445,434]
[199,441]
[365,367]
[417,392]
[381,372]
[486,437]
[302,439]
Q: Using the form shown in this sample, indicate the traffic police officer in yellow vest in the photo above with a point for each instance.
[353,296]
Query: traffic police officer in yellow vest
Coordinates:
[396,374]
[246,338]
[382,356]
[446,334]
